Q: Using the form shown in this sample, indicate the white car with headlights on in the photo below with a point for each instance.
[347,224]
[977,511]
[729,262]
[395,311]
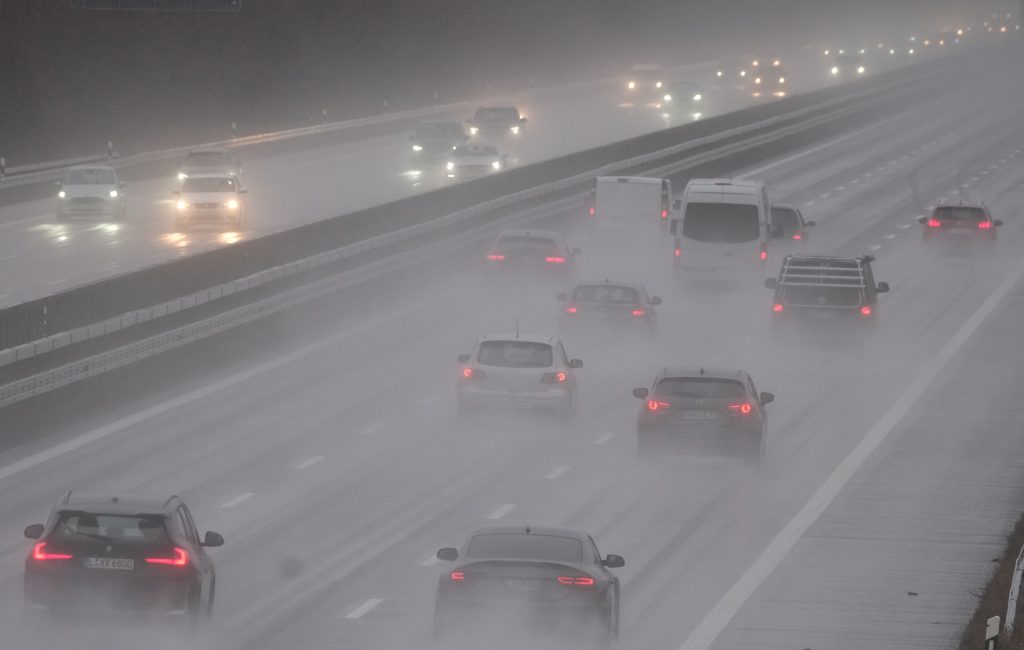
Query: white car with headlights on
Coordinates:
[91,191]
[210,199]
[209,161]
[497,121]
[475,160]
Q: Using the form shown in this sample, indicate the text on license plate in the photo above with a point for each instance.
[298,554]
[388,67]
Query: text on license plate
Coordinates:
[700,415]
[518,584]
[109,563]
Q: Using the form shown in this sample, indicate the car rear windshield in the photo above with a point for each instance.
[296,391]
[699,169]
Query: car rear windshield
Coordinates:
[515,354]
[785,217]
[207,158]
[960,213]
[700,388]
[208,185]
[123,529]
[90,177]
[523,546]
[721,223]
[525,243]
[496,114]
[606,293]
[439,131]
[811,296]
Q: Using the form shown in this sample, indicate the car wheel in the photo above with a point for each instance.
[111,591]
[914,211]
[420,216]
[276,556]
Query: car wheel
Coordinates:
[755,455]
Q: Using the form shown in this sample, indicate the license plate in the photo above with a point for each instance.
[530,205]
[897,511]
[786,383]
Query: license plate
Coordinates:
[959,231]
[700,415]
[116,563]
[823,313]
[517,584]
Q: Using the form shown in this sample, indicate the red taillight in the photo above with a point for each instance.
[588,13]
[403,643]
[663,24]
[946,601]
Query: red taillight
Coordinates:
[496,257]
[865,310]
[745,408]
[592,211]
[554,260]
[985,225]
[798,236]
[678,252]
[576,581]
[472,373]
[934,223]
[554,378]
[654,405]
[664,214]
[457,576]
[180,558]
[572,309]
[777,308]
[639,312]
[467,373]
[39,553]
[764,253]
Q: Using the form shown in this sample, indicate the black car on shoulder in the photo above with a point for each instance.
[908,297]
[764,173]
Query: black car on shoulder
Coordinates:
[702,411]
[538,581]
[120,552]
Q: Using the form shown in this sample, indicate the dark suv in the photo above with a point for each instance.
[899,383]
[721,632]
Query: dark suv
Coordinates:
[826,287]
[702,410]
[123,552]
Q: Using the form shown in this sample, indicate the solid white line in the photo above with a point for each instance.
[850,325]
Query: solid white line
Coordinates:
[244,496]
[12,256]
[309,462]
[200,393]
[558,471]
[430,561]
[604,439]
[365,608]
[719,617]
[372,428]
[502,511]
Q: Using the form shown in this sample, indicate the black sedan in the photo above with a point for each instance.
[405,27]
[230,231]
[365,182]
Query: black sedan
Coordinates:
[544,581]
[107,553]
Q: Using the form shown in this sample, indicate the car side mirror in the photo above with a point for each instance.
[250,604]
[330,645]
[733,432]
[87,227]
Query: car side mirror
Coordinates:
[614,562]
[808,224]
[448,554]
[562,297]
[767,398]
[640,393]
[577,251]
[883,287]
[922,220]
[997,223]
[674,227]
[575,363]
[212,539]
[243,190]
[771,283]
[463,358]
[35,531]
[655,300]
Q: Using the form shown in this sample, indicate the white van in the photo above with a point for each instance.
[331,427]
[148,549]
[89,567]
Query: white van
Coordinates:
[628,216]
[724,229]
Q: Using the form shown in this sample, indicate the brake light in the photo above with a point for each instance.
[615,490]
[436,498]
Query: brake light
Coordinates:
[654,405]
[457,576]
[472,373]
[592,211]
[571,309]
[554,260]
[467,373]
[664,214]
[865,310]
[985,225]
[639,312]
[798,236]
[764,253]
[777,308]
[576,581]
[554,378]
[39,553]
[678,252]
[496,257]
[180,558]
[934,223]
[745,408]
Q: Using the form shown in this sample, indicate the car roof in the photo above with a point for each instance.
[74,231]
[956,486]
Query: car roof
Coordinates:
[699,371]
[531,530]
[116,502]
[440,123]
[978,206]
[513,336]
[90,167]
[847,259]
[609,283]
[723,182]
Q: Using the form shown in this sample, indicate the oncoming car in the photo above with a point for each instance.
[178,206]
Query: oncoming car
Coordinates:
[120,553]
[206,199]
[436,140]
[552,580]
[91,191]
[702,411]
[209,161]
[475,160]
[518,372]
[497,120]
[646,85]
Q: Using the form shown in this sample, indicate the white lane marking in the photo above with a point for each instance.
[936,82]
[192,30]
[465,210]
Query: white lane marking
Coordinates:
[868,175]
[875,247]
[371,429]
[558,471]
[109,429]
[12,256]
[18,222]
[904,226]
[840,188]
[716,620]
[364,609]
[502,511]
[604,439]
[809,203]
[244,496]
[309,462]
[430,561]
[854,181]
[428,400]
[891,236]
[825,195]
[975,179]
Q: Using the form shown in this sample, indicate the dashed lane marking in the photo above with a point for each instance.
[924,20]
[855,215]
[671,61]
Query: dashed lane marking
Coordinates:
[502,511]
[364,609]
[558,471]
[244,496]
[604,439]
[371,429]
[309,462]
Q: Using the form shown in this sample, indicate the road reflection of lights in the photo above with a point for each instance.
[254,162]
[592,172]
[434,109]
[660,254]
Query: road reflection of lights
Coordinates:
[176,239]
[697,116]
[230,237]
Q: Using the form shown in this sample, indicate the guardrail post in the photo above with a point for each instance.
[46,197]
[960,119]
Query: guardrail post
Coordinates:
[3,166]
[234,129]
[323,114]
[386,106]
[992,633]
[110,149]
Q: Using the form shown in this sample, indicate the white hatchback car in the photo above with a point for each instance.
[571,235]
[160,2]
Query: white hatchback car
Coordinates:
[516,371]
[91,191]
[473,160]
[206,199]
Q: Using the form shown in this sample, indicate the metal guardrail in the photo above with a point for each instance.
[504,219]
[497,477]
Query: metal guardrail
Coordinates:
[1012,601]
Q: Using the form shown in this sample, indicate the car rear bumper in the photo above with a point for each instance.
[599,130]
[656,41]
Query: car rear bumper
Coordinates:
[470,397]
[211,216]
[697,440]
[77,592]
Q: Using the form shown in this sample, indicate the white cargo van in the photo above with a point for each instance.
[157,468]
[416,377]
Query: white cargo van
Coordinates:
[628,217]
[724,230]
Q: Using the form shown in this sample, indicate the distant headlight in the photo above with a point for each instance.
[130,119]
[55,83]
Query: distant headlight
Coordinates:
[758,80]
[232,204]
[496,164]
[657,84]
[631,85]
[181,204]
[417,147]
[473,130]
[782,80]
[667,98]
[515,130]
[719,73]
[182,176]
[450,166]
[743,73]
[62,194]
[835,70]
[698,97]
[860,70]
[113,194]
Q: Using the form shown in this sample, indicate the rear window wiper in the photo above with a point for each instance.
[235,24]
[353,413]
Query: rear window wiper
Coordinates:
[102,538]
